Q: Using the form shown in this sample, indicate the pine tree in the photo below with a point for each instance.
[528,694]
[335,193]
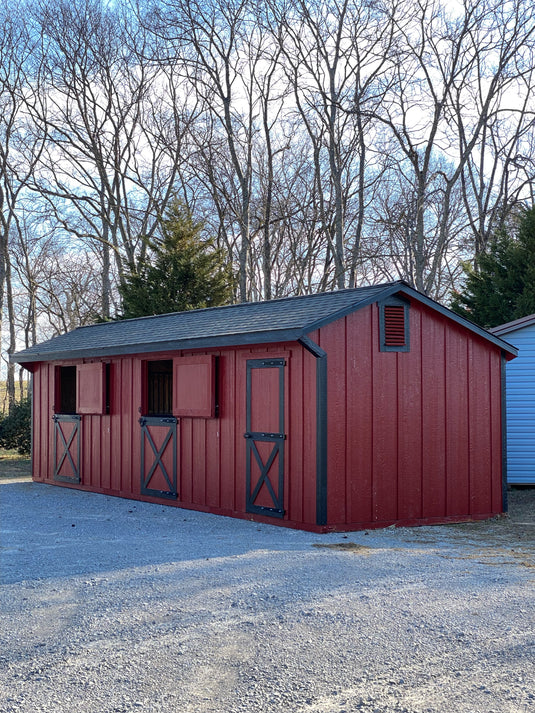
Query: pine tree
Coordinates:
[500,286]
[182,271]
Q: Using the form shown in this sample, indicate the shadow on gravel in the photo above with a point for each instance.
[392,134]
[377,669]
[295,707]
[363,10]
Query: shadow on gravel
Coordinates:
[50,532]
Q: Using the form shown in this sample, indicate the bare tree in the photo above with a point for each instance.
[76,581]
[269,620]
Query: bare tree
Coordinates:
[20,150]
[335,53]
[499,172]
[115,124]
[455,67]
[216,42]
[58,286]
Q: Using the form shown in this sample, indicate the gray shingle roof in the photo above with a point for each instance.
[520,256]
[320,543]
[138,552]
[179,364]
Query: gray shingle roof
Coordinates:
[286,319]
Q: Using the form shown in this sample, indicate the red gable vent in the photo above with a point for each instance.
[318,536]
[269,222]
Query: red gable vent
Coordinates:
[394,326]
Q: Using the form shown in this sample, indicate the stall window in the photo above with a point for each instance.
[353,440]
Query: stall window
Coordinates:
[159,388]
[65,390]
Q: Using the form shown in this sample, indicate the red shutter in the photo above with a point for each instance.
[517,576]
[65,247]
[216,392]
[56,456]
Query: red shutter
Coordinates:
[194,386]
[91,388]
[394,325]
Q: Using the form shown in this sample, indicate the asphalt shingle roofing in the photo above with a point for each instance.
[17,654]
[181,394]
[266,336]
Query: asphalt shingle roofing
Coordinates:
[286,319]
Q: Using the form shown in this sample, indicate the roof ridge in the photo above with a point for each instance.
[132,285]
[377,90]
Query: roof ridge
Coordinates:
[379,286]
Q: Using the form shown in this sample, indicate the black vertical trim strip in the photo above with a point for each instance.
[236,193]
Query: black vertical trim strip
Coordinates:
[321,427]
[505,504]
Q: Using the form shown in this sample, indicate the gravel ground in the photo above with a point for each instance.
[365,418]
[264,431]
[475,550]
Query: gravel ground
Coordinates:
[114,605]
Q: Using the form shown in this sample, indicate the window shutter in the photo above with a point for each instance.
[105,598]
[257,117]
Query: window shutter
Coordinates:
[91,388]
[194,386]
[394,334]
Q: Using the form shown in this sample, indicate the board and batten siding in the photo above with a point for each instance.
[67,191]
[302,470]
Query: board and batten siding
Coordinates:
[371,435]
[520,387]
[415,436]
[210,451]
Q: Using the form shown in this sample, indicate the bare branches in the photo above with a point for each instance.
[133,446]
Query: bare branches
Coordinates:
[324,143]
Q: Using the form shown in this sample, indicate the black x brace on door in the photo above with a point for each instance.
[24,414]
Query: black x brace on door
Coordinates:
[157,478]
[67,436]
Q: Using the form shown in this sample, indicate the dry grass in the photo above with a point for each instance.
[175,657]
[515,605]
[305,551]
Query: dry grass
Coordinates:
[13,465]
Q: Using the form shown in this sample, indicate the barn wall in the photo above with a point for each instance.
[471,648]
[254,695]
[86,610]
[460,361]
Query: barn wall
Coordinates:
[211,451]
[422,438]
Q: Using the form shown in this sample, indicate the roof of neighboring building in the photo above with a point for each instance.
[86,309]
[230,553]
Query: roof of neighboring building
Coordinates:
[527,321]
[285,319]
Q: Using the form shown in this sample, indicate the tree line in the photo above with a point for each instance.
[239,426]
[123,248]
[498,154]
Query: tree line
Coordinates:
[321,144]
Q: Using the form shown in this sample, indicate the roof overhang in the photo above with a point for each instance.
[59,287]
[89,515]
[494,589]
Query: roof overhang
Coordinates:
[264,336]
[225,340]
[402,288]
[527,321]
[510,351]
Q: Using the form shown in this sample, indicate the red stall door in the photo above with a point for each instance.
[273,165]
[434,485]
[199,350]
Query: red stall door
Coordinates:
[158,456]
[265,436]
[67,430]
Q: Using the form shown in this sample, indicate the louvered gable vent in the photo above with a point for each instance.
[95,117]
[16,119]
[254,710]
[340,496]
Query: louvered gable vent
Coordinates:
[394,335]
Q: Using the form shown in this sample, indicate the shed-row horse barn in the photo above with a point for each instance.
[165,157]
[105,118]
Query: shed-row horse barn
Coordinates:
[345,410]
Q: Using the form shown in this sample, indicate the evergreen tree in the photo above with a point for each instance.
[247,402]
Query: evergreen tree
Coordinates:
[500,287]
[182,271]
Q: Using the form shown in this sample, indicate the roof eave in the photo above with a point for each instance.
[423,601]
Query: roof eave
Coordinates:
[472,326]
[402,287]
[226,340]
[527,321]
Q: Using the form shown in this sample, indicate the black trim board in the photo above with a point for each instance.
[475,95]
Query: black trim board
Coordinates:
[231,340]
[419,297]
[321,427]
[401,289]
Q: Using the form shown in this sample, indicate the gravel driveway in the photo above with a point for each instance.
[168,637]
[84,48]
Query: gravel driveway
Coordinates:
[114,605]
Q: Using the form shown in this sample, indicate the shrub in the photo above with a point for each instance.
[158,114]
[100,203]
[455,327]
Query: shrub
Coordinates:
[16,428]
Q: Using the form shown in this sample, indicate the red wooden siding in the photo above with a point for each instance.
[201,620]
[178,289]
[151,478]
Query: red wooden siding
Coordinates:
[210,450]
[413,436]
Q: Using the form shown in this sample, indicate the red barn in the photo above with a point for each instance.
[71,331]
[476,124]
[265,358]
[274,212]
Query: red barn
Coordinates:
[345,410]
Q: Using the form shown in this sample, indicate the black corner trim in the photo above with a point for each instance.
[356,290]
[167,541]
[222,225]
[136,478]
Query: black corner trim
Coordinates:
[321,428]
